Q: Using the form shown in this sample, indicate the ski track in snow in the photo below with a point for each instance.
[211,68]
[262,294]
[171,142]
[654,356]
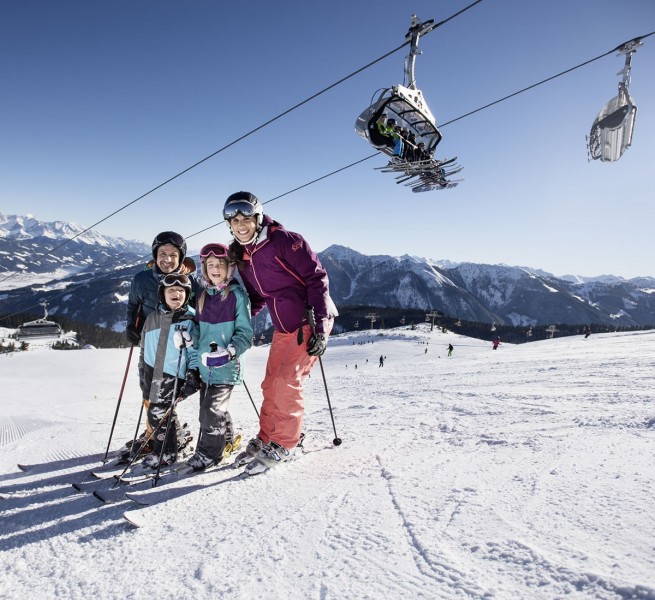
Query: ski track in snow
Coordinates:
[520,473]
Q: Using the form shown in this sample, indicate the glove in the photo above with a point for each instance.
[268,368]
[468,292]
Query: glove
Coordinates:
[191,383]
[133,335]
[316,345]
[182,338]
[218,358]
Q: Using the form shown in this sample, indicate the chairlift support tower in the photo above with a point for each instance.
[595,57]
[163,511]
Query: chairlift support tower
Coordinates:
[431,316]
[373,317]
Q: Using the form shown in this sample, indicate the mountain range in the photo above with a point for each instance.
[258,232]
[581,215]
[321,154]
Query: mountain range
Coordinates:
[88,280]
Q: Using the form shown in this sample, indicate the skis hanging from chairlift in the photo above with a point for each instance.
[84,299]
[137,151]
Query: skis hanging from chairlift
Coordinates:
[399,124]
[611,133]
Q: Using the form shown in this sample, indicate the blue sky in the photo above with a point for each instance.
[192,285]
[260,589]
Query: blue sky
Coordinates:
[102,101]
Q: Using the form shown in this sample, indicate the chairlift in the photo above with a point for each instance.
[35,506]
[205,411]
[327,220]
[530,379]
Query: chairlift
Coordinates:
[611,132]
[399,123]
[40,328]
[493,327]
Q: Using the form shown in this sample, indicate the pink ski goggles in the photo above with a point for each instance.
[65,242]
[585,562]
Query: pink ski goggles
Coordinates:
[216,250]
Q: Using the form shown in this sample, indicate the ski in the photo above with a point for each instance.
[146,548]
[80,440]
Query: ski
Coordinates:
[116,494]
[132,517]
[85,486]
[146,497]
[109,468]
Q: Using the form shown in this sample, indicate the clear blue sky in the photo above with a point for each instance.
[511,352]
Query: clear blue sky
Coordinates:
[102,101]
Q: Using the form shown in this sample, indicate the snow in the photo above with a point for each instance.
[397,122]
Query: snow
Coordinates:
[525,472]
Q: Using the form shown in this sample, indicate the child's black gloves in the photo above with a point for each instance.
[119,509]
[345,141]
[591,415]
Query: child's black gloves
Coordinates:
[191,383]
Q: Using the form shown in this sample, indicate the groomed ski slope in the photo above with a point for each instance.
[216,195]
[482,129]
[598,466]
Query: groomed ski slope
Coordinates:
[525,472]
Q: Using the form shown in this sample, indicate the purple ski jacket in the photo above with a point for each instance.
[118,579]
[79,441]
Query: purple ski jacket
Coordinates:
[282,272]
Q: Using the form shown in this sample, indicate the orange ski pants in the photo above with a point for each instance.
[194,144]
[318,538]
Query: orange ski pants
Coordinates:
[283,410]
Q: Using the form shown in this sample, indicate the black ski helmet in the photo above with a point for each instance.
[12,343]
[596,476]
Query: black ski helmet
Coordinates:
[173,279]
[169,237]
[245,203]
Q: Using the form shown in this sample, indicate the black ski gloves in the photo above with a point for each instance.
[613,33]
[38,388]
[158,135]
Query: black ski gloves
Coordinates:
[191,383]
[316,345]
[133,335]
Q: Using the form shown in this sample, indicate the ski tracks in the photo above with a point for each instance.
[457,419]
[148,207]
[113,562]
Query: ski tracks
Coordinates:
[440,571]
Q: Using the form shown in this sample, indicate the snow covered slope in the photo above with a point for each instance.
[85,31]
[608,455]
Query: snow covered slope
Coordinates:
[525,472]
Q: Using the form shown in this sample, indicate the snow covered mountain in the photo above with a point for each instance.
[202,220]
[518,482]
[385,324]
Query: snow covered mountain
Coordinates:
[25,243]
[88,280]
[491,293]
[18,228]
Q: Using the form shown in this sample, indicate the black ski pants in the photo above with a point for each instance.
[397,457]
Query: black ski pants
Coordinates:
[216,427]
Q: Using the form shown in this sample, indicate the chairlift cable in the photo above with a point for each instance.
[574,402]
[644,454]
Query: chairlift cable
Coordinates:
[534,85]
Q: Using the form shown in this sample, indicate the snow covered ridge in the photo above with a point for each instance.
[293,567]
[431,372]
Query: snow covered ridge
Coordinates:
[87,282]
[520,473]
[486,293]
[21,228]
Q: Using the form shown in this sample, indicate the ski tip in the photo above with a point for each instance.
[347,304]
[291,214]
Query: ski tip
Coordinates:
[24,467]
[137,499]
[132,520]
[99,496]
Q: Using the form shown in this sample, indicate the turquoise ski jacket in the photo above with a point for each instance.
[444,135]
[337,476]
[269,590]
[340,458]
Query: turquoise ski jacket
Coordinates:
[223,318]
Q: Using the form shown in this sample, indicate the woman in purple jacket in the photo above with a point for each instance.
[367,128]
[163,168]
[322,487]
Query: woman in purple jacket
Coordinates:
[280,271]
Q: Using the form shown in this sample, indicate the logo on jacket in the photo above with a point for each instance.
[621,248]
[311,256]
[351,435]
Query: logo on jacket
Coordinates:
[296,245]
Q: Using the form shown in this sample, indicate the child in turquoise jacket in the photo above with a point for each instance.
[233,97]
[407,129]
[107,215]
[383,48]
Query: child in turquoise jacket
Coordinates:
[223,334]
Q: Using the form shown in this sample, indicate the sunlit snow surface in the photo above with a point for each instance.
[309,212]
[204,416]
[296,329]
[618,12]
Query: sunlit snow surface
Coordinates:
[525,472]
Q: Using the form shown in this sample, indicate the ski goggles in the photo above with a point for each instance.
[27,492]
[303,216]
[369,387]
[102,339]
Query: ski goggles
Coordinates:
[247,209]
[169,237]
[176,279]
[216,250]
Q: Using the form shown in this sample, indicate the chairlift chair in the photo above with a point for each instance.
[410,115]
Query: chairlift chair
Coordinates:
[409,110]
[611,132]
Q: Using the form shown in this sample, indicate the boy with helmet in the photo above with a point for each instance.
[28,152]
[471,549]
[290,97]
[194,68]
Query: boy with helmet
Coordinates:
[163,366]
[280,271]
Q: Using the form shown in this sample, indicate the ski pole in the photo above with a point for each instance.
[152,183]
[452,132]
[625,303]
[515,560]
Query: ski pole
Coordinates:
[171,413]
[251,400]
[120,397]
[312,322]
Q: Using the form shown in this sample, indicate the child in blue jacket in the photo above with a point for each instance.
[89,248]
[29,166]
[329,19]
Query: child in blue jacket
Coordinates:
[163,364]
[224,333]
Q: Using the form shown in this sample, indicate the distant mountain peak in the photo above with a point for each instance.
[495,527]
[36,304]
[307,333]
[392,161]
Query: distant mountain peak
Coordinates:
[27,227]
